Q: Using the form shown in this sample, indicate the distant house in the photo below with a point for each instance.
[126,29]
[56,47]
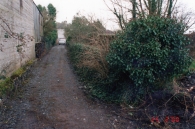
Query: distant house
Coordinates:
[21,26]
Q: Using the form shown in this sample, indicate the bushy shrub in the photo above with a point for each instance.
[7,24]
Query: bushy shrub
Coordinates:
[50,39]
[68,40]
[83,30]
[149,52]
[49,25]
[75,50]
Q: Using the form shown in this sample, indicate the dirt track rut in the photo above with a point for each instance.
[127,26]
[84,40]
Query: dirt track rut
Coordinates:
[52,99]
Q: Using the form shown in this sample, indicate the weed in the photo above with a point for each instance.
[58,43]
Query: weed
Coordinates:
[6,84]
[29,63]
[18,73]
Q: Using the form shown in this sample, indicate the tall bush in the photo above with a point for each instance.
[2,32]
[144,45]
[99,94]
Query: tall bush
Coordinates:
[150,52]
[83,30]
[49,24]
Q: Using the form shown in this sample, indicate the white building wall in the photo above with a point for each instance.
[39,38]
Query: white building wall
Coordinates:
[19,16]
[61,33]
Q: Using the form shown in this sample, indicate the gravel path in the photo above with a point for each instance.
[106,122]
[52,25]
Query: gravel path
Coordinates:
[52,99]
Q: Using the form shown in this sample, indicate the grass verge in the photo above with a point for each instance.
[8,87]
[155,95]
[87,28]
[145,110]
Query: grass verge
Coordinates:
[7,84]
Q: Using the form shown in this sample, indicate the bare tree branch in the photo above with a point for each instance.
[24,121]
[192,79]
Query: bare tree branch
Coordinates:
[18,36]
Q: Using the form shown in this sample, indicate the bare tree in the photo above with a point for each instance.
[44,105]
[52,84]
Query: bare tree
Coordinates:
[127,10]
[121,9]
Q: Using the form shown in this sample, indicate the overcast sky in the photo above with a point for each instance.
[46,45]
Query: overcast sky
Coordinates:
[66,9]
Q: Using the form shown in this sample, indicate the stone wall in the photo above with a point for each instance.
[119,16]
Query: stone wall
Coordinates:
[19,17]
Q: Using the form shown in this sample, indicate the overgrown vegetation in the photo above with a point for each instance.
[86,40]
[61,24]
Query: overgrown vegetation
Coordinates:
[88,47]
[143,66]
[143,59]
[49,25]
[61,25]
[7,84]
[151,52]
[83,30]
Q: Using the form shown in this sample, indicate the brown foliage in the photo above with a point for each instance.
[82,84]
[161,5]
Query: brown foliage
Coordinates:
[94,56]
[95,39]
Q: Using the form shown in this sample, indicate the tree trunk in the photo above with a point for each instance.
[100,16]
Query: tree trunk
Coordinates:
[134,9]
[170,8]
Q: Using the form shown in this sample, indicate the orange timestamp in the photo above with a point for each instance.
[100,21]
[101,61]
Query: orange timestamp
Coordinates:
[173,119]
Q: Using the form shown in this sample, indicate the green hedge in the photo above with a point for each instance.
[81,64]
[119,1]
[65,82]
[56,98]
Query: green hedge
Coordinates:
[142,59]
[150,52]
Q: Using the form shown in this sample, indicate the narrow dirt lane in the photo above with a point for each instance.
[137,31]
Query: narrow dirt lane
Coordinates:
[53,100]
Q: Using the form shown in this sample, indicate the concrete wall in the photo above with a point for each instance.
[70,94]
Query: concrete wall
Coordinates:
[19,16]
[38,24]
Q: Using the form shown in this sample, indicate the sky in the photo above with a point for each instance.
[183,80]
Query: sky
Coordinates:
[66,9]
